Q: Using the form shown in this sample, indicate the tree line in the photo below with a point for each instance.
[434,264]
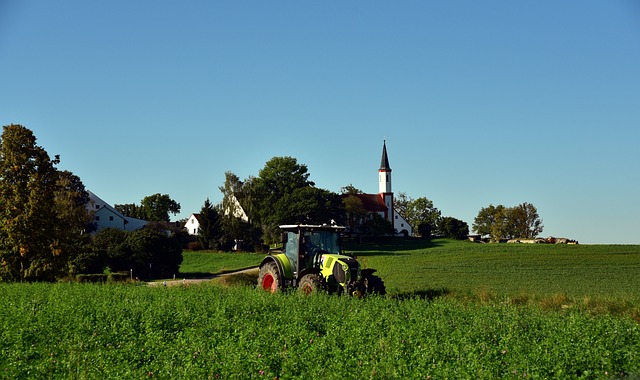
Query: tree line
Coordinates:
[46,231]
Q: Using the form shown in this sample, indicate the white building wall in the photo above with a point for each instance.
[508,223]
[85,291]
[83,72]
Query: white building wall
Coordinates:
[401,224]
[192,225]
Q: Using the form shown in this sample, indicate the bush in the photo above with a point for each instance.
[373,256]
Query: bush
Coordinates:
[149,253]
[194,246]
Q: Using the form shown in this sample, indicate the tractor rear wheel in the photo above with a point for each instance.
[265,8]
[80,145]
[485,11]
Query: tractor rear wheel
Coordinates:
[269,278]
[311,284]
[374,285]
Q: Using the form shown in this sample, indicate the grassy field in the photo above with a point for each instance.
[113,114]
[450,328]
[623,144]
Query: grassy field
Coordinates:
[456,310]
[89,331]
[596,277]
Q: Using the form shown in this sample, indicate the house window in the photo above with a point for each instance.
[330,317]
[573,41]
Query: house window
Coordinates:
[97,218]
[193,221]
[97,207]
[111,218]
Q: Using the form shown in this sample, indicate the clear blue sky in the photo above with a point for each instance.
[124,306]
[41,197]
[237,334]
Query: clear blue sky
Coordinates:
[481,102]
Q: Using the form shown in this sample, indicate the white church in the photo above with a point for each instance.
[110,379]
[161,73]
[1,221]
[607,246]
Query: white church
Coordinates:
[382,203]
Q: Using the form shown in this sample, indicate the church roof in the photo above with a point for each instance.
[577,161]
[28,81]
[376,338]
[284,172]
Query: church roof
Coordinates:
[384,162]
[372,202]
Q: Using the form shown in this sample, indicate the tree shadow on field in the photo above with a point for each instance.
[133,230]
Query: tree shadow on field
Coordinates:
[428,294]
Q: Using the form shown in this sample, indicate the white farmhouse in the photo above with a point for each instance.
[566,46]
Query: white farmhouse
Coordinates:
[193,224]
[105,216]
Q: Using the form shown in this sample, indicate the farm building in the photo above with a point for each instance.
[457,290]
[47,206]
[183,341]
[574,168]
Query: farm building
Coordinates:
[105,216]
[193,224]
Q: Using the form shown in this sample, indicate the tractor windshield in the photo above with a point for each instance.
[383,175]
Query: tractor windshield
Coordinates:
[321,242]
[313,245]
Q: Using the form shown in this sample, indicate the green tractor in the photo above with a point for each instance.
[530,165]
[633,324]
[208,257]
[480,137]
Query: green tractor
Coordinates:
[313,262]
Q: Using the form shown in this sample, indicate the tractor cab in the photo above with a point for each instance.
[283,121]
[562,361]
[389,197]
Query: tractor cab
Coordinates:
[304,245]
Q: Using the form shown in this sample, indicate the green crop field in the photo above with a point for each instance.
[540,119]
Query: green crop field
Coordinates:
[455,310]
[520,272]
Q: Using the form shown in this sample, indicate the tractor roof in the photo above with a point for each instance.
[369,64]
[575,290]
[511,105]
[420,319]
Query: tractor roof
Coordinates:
[311,227]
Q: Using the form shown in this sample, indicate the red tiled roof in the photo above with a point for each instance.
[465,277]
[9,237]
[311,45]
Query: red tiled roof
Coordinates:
[372,202]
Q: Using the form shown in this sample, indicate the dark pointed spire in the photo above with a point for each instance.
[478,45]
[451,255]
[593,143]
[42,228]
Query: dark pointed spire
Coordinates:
[384,162]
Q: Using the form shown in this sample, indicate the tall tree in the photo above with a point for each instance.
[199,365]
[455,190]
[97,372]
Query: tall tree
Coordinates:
[355,214]
[131,210]
[525,221]
[453,228]
[39,209]
[210,231]
[418,212]
[74,222]
[153,208]
[275,185]
[500,222]
[240,219]
[401,202]
[157,207]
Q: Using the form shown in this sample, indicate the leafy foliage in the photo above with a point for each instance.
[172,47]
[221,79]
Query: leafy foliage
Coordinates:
[453,228]
[211,234]
[239,211]
[417,212]
[42,211]
[153,208]
[147,252]
[500,222]
[281,194]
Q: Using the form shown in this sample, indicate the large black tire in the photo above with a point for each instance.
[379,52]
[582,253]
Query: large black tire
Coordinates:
[269,278]
[374,285]
[311,284]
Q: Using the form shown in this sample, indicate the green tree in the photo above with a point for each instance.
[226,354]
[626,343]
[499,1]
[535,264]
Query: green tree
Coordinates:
[240,218]
[500,222]
[418,212]
[453,228]
[36,227]
[156,207]
[309,205]
[148,253]
[354,211]
[153,208]
[401,202]
[377,226]
[74,222]
[489,221]
[526,221]
[274,189]
[210,233]
[131,210]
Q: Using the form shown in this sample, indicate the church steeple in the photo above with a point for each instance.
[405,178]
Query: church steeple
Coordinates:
[384,173]
[384,162]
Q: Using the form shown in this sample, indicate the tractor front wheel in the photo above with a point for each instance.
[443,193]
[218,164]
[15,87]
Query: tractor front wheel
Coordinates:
[269,278]
[311,284]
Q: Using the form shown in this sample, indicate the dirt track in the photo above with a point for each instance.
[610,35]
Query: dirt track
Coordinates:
[187,281]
